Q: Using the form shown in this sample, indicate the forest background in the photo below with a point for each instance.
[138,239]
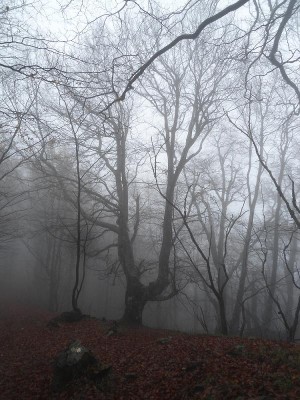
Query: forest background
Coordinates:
[149,162]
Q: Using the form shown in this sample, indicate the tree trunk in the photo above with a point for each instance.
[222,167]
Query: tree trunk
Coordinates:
[289,281]
[135,301]
[76,291]
[222,315]
[294,326]
[236,314]
[267,317]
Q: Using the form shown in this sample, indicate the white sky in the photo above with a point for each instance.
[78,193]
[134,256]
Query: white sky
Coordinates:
[66,18]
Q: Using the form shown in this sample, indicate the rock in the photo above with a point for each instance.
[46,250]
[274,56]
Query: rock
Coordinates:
[192,366]
[164,340]
[70,316]
[113,329]
[237,350]
[130,376]
[76,362]
[260,398]
[67,316]
[198,388]
[53,323]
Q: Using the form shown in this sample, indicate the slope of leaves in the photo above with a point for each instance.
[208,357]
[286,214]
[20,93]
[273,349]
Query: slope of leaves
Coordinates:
[146,363]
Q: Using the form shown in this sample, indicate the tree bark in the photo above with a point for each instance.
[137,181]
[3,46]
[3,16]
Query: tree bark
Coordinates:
[135,301]
[223,317]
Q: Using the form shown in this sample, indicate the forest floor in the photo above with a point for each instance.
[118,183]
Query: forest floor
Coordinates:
[146,363]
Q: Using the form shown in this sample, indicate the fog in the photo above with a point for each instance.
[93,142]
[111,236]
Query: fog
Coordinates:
[149,165]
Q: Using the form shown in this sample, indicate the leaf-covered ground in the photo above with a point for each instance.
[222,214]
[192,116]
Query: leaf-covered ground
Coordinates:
[144,367]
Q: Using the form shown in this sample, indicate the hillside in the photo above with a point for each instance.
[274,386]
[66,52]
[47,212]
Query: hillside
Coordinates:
[146,363]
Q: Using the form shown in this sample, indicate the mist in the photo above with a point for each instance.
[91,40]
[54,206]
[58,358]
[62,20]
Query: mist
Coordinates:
[149,177]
